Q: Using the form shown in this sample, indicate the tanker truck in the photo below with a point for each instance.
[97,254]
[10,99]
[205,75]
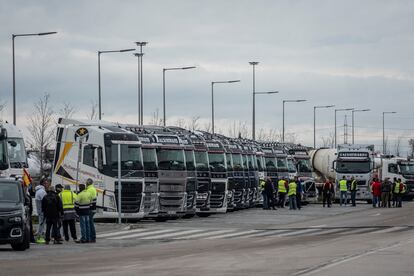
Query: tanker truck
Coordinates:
[346,160]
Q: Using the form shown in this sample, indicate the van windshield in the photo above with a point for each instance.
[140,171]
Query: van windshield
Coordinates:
[9,192]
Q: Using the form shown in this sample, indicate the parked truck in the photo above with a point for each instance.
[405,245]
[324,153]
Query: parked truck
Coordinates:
[397,167]
[346,160]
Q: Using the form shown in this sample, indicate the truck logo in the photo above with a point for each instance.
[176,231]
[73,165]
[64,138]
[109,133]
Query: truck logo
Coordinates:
[82,133]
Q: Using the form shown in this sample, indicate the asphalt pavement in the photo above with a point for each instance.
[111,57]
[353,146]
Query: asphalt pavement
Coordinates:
[313,241]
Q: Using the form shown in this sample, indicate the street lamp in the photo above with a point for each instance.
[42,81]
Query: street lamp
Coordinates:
[140,83]
[254,63]
[283,117]
[14,67]
[163,86]
[314,121]
[341,109]
[212,99]
[383,129]
[353,122]
[99,74]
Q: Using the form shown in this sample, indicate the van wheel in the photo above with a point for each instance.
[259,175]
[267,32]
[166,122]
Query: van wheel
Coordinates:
[25,243]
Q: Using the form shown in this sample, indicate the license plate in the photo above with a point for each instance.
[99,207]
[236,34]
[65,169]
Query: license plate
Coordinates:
[171,212]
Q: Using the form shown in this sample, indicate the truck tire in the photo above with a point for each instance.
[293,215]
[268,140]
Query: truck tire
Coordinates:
[25,244]
[203,215]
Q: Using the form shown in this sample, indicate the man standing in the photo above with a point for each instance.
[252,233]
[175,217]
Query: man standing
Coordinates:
[299,193]
[93,195]
[39,195]
[282,189]
[343,188]
[83,208]
[69,214]
[269,190]
[292,194]
[395,192]
[354,189]
[376,193]
[262,185]
[52,209]
[327,192]
[385,194]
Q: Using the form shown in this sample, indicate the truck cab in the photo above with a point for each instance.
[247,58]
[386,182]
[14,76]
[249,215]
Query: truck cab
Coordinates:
[13,149]
[238,179]
[14,215]
[270,163]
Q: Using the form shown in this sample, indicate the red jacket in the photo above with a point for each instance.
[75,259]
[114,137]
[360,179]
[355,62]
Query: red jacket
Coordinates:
[376,188]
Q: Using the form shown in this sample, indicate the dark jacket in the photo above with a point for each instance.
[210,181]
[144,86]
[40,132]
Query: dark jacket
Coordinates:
[52,206]
[269,189]
[386,186]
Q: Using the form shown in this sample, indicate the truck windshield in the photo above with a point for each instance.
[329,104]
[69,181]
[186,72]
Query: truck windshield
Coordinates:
[9,192]
[304,165]
[407,168]
[217,162]
[131,157]
[229,161]
[259,162]
[237,162]
[150,159]
[201,159]
[245,161]
[282,164]
[171,159]
[353,166]
[270,164]
[291,166]
[17,152]
[251,162]
[190,160]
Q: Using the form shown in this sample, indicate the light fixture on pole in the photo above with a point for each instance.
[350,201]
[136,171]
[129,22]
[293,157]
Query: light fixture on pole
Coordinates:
[283,115]
[99,75]
[314,121]
[254,63]
[336,110]
[383,129]
[353,122]
[212,99]
[14,66]
[163,87]
[140,82]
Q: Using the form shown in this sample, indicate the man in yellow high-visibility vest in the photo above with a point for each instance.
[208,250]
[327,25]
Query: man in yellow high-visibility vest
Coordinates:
[343,189]
[292,194]
[69,214]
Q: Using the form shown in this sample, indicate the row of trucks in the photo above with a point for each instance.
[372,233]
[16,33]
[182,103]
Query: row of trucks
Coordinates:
[363,164]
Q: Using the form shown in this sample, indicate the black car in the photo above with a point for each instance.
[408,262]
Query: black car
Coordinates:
[14,215]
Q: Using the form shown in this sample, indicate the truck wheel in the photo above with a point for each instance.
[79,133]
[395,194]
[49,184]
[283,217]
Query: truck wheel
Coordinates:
[25,244]
[187,216]
[161,219]
[203,215]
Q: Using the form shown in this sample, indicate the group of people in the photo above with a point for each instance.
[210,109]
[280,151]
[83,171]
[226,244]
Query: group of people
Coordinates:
[276,196]
[382,193]
[59,207]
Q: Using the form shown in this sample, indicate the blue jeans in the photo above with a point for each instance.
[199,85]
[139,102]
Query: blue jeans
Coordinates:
[292,202]
[92,233]
[265,200]
[85,228]
[344,197]
[376,201]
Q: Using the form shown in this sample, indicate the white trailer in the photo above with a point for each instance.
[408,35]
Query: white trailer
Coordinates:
[89,149]
[13,156]
[347,160]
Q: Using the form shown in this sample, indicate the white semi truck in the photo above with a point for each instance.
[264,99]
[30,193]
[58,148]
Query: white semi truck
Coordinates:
[397,167]
[346,160]
[13,156]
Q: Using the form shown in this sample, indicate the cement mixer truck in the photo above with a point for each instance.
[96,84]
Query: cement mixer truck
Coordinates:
[346,160]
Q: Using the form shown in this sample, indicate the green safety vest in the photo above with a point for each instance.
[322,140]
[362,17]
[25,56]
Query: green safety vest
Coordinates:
[281,186]
[68,199]
[353,185]
[262,185]
[292,188]
[83,200]
[343,185]
[397,188]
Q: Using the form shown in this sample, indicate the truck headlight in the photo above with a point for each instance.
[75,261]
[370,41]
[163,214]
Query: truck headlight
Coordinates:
[202,196]
[15,219]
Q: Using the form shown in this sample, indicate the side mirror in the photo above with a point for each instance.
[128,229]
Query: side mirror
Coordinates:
[4,166]
[333,168]
[3,134]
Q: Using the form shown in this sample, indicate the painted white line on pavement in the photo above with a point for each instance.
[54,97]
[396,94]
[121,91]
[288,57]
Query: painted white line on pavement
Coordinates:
[232,235]
[121,233]
[214,232]
[389,230]
[298,232]
[318,226]
[175,234]
[265,233]
[144,234]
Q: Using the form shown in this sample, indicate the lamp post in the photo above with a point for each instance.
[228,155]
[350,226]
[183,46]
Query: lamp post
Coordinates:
[140,82]
[336,110]
[353,122]
[314,121]
[254,63]
[163,86]
[212,99]
[14,67]
[283,116]
[383,129]
[99,75]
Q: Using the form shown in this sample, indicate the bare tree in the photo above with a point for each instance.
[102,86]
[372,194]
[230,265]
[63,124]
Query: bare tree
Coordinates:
[93,111]
[41,124]
[398,146]
[180,122]
[2,106]
[156,120]
[411,143]
[328,141]
[67,110]
[207,127]
[193,125]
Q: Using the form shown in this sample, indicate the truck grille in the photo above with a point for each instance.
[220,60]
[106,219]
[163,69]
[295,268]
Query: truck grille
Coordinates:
[172,187]
[130,196]
[217,200]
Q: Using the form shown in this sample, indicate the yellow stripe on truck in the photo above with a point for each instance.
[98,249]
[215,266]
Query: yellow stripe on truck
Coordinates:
[66,149]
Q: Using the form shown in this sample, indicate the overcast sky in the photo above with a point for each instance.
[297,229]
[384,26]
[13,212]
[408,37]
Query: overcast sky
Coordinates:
[349,53]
